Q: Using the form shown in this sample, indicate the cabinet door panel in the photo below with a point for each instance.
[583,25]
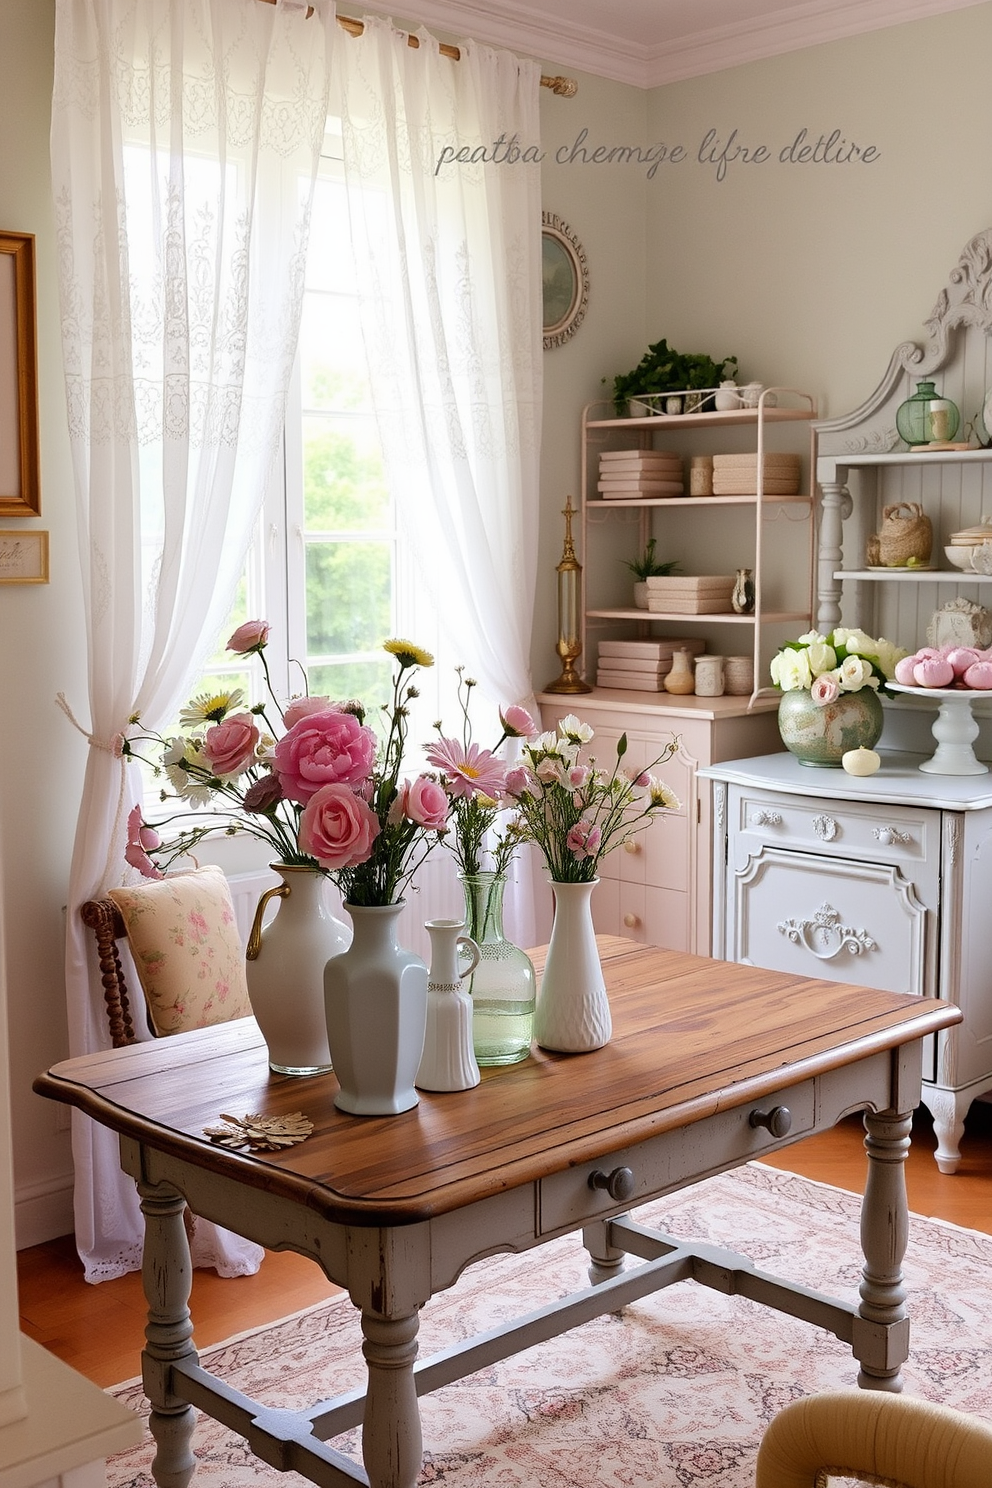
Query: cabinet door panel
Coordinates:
[967,961]
[833,918]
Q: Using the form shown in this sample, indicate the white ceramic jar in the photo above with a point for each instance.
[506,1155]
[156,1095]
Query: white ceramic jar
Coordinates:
[727,397]
[709,676]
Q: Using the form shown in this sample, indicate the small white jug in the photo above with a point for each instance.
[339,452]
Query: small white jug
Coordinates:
[449,1061]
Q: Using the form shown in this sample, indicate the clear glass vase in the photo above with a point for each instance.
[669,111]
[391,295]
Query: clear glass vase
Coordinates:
[503,984]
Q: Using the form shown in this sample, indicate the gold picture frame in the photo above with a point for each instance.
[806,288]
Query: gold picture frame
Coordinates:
[20,484]
[24,556]
[565,279]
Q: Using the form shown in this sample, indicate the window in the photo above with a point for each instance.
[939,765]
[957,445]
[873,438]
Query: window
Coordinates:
[328,568]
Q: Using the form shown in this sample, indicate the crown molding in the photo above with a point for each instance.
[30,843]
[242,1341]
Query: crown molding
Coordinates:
[559,40]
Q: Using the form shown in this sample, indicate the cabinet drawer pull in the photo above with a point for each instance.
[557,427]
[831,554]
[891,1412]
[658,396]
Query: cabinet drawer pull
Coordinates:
[766,818]
[891,836]
[619,1184]
[778,1120]
[825,828]
[631,921]
[632,847]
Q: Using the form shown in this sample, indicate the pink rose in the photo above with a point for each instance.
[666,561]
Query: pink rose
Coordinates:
[824,690]
[338,828]
[302,707]
[229,746]
[141,840]
[517,723]
[424,802]
[249,637]
[327,748]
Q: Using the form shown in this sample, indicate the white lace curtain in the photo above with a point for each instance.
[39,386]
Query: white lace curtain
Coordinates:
[185,141]
[449,266]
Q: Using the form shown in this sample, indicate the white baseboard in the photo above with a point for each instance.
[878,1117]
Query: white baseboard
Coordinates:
[43,1211]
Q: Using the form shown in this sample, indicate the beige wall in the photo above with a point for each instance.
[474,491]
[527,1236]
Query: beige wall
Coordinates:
[810,275]
[41,653]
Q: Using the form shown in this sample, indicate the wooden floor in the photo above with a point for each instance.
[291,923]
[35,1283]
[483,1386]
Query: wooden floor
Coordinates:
[99,1329]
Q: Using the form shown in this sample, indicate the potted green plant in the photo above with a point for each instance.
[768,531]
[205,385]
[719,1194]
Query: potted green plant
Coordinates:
[645,567]
[664,370]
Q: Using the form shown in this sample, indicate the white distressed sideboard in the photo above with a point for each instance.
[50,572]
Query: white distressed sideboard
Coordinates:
[885,881]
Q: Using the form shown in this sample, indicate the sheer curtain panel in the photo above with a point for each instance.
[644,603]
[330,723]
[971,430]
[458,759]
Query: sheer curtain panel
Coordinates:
[448,257]
[185,141]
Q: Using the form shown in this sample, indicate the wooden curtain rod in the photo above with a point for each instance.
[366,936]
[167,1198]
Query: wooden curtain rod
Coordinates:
[564,87]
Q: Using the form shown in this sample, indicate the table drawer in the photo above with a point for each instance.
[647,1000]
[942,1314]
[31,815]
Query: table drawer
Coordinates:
[665,1162]
[904,835]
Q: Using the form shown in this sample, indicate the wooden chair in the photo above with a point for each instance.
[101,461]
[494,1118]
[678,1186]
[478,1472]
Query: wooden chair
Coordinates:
[104,918]
[892,1440]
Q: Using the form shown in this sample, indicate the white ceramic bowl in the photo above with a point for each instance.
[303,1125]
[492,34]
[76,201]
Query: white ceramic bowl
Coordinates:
[959,556]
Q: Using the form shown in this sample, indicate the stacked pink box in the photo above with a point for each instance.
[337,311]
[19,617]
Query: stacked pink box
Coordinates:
[637,474]
[640,666]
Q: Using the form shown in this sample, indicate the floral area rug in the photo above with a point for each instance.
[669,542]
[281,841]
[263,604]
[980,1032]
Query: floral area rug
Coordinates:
[674,1393]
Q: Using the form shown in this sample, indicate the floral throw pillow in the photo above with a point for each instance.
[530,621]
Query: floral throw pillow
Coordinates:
[186,949]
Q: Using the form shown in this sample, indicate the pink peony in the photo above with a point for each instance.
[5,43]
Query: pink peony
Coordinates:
[583,840]
[338,828]
[329,748]
[249,637]
[517,722]
[141,840]
[424,802]
[302,707]
[229,746]
[824,690]
[467,770]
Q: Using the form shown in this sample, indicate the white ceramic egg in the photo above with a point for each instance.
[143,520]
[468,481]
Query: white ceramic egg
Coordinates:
[861,761]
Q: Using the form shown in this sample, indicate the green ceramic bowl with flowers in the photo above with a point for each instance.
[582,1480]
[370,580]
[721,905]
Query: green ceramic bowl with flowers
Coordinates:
[831,688]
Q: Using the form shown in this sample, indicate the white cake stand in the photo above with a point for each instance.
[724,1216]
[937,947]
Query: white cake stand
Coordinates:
[954,729]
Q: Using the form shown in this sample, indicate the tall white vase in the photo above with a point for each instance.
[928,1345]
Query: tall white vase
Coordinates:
[285,970]
[573,1011]
[448,1061]
[375,1004]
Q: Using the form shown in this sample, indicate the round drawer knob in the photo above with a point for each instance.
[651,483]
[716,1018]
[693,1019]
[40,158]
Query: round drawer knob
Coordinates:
[778,1120]
[631,921]
[619,1184]
[632,847]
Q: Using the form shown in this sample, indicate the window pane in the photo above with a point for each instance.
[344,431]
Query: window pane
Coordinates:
[349,605]
[344,485]
[369,681]
[332,354]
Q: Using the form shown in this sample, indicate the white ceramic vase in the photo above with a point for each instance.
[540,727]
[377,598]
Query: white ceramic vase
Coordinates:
[285,970]
[375,1003]
[448,1061]
[573,1011]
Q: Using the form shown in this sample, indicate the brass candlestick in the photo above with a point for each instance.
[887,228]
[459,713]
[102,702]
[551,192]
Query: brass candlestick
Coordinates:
[569,645]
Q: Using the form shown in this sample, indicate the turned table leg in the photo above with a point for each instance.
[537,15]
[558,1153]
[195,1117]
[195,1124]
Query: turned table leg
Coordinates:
[884,1236]
[392,1444]
[167,1276]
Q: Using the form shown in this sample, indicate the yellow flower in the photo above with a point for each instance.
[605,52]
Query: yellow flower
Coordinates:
[210,707]
[407,654]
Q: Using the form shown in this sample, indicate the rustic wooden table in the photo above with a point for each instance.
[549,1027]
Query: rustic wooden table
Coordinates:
[711,1064]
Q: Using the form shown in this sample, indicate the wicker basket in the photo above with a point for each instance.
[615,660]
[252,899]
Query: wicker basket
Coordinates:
[906,532]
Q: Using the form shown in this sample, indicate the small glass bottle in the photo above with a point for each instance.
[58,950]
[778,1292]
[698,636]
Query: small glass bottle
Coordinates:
[503,986]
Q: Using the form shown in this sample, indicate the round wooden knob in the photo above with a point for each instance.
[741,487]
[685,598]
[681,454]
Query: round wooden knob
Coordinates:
[632,847]
[631,920]
[778,1120]
[619,1184]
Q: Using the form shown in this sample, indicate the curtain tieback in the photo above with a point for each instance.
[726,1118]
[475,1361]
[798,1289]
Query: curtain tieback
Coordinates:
[114,746]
